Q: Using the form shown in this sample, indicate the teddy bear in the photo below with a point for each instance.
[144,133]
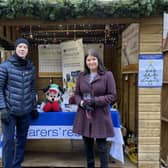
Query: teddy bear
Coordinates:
[52,102]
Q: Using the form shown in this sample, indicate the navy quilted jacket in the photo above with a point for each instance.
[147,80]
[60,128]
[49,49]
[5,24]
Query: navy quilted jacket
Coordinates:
[17,86]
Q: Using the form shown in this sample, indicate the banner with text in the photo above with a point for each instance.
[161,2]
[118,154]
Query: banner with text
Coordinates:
[51,132]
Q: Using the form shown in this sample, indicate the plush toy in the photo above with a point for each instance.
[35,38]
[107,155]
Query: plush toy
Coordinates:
[53,100]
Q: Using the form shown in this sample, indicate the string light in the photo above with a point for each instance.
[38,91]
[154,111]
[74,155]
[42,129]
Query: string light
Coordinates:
[31,35]
[74,31]
[67,32]
[90,33]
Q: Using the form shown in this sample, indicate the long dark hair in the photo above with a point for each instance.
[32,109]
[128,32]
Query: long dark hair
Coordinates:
[101,67]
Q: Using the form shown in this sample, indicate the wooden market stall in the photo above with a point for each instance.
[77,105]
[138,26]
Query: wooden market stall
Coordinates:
[140,108]
[112,61]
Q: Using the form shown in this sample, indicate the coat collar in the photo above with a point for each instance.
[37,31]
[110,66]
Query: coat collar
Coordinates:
[97,77]
[13,59]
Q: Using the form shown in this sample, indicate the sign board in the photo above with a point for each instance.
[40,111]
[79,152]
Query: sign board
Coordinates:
[130,45]
[150,70]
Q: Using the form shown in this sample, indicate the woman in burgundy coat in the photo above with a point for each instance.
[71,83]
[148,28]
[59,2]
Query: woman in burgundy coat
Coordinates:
[95,90]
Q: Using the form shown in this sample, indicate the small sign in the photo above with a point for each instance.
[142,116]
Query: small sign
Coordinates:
[150,70]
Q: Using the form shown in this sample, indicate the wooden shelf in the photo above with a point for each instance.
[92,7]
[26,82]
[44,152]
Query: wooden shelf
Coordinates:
[131,68]
[165,82]
[164,119]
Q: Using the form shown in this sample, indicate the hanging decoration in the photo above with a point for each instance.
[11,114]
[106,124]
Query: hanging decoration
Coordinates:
[68,9]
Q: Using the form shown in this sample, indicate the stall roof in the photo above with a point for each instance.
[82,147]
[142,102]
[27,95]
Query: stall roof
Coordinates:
[73,9]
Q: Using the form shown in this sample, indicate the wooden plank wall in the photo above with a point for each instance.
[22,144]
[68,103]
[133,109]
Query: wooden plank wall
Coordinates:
[149,104]
[151,35]
[149,128]
[129,110]
[112,61]
[125,100]
[133,103]
[9,33]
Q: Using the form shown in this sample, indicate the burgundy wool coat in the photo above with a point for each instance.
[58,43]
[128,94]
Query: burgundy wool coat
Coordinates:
[103,89]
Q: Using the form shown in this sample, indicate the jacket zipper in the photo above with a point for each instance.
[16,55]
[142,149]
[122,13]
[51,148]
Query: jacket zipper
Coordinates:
[23,74]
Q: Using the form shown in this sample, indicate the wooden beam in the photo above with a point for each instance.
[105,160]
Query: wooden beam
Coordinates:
[30,21]
[73,30]
[6,39]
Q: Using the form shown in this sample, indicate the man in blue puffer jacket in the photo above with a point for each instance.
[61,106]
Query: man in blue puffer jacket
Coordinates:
[17,103]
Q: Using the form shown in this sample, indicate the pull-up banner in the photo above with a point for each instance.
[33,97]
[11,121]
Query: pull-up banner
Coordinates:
[72,61]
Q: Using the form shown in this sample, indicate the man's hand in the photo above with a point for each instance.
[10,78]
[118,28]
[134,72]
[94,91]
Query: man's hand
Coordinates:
[34,114]
[5,116]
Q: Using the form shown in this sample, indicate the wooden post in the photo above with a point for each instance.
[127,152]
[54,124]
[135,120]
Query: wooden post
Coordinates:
[149,100]
[149,128]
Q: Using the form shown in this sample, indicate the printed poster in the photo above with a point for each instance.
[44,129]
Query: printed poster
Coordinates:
[49,60]
[150,70]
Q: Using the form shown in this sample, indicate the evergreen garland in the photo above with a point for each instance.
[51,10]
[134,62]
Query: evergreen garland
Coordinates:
[71,9]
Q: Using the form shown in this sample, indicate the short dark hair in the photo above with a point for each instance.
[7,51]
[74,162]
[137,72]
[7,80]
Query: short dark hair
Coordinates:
[101,67]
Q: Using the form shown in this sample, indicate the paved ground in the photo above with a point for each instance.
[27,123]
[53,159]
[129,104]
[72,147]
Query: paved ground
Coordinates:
[74,159]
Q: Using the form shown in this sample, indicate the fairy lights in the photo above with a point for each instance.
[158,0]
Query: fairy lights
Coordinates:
[91,33]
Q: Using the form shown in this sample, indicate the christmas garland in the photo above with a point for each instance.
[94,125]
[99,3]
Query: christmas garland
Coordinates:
[71,9]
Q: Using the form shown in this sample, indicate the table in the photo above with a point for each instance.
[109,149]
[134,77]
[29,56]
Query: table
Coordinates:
[58,125]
